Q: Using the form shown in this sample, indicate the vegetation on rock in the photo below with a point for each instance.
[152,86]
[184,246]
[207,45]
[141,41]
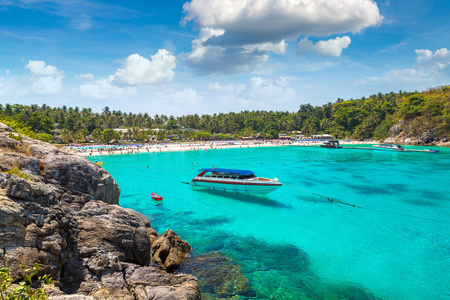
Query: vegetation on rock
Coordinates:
[24,289]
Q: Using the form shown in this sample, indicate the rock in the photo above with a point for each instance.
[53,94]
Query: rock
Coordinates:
[395,130]
[4,127]
[64,214]
[428,137]
[225,278]
[153,283]
[169,251]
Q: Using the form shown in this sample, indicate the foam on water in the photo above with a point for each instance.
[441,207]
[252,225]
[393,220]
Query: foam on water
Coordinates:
[291,245]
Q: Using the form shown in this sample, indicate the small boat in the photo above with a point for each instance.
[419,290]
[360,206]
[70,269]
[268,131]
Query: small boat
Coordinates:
[234,180]
[389,147]
[156,197]
[99,162]
[331,144]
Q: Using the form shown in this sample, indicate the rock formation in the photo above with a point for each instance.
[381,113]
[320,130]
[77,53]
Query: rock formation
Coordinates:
[61,210]
[401,133]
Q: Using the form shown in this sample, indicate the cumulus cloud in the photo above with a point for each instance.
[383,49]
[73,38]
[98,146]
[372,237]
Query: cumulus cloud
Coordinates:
[38,68]
[45,79]
[184,97]
[331,47]
[261,21]
[438,62]
[432,69]
[209,59]
[255,27]
[138,70]
[104,88]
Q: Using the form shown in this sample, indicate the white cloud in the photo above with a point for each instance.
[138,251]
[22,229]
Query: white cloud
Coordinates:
[331,47]
[7,72]
[250,29]
[45,79]
[406,79]
[138,70]
[104,88]
[229,89]
[273,89]
[278,48]
[88,76]
[38,68]
[432,69]
[438,62]
[184,97]
[268,20]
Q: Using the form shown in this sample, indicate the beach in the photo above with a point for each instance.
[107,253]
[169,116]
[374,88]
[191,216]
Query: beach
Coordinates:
[102,150]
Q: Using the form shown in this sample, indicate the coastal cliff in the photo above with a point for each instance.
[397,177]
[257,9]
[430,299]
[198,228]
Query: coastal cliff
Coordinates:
[62,210]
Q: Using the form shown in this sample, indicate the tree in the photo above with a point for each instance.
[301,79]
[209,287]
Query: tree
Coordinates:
[97,134]
[109,135]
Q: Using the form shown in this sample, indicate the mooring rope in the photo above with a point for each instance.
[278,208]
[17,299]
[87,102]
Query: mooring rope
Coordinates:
[331,200]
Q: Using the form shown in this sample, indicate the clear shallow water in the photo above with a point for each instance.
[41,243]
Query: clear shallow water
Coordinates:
[291,245]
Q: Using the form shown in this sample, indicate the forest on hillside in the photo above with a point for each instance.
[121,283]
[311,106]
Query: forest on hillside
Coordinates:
[365,118]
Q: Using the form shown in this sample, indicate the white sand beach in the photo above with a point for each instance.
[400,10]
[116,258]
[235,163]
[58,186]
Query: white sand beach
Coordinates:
[102,150]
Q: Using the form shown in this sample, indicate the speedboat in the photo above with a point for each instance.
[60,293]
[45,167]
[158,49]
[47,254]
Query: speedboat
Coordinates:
[233,180]
[331,144]
[156,197]
[389,147]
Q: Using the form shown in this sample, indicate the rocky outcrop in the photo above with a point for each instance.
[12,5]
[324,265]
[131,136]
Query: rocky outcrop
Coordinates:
[61,210]
[170,250]
[401,133]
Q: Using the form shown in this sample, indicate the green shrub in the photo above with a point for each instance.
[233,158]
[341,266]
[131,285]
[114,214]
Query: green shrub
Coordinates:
[16,137]
[17,172]
[24,290]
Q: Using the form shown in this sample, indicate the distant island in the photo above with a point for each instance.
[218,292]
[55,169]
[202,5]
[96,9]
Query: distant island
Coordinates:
[403,117]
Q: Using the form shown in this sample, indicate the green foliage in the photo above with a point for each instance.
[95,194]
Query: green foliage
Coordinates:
[15,137]
[17,172]
[24,290]
[363,118]
[203,136]
[109,135]
[45,137]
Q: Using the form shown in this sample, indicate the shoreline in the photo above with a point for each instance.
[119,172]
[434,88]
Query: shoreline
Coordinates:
[97,150]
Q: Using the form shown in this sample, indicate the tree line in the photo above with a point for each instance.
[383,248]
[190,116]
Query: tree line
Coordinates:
[365,118]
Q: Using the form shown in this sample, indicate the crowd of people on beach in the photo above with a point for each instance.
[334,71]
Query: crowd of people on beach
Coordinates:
[103,149]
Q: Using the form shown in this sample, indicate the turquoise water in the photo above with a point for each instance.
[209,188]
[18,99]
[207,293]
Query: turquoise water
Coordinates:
[290,244]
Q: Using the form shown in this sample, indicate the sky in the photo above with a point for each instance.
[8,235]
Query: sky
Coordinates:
[217,56]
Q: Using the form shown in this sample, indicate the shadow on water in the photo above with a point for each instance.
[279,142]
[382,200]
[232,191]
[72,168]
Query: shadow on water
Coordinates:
[260,200]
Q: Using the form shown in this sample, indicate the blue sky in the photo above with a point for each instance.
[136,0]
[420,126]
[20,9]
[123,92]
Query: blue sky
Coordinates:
[211,56]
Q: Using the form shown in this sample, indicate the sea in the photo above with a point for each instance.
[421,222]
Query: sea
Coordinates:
[346,224]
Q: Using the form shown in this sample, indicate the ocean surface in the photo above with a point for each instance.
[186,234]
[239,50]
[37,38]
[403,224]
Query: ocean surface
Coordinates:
[292,244]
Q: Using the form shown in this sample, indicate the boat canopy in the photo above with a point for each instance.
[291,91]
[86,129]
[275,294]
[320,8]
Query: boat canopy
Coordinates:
[233,171]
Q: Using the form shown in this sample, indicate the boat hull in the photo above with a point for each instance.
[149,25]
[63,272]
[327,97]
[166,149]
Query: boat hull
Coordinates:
[386,149]
[237,186]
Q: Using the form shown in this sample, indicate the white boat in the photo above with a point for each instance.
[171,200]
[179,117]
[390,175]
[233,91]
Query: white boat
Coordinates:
[233,180]
[331,144]
[389,147]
